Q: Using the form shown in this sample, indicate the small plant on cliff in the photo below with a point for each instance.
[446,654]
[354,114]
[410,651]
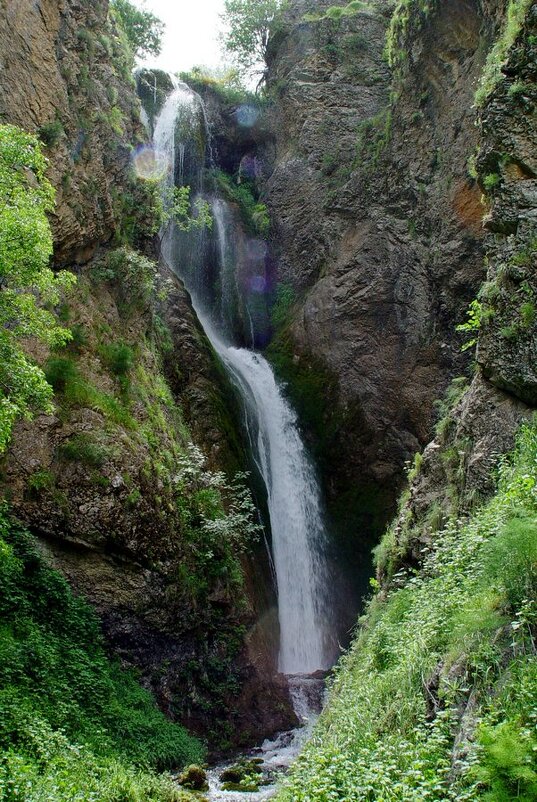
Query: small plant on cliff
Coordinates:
[26,281]
[478,314]
[143,29]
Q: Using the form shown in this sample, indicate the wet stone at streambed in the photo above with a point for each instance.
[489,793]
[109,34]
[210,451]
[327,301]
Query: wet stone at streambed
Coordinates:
[263,767]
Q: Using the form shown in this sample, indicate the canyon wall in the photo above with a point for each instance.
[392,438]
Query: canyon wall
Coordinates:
[99,482]
[378,229]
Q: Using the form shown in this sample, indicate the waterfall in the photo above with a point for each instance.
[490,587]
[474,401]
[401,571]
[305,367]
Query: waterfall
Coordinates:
[292,490]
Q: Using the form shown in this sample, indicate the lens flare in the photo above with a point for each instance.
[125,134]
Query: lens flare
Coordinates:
[247,116]
[149,164]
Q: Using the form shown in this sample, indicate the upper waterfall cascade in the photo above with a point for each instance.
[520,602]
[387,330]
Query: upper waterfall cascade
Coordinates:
[292,489]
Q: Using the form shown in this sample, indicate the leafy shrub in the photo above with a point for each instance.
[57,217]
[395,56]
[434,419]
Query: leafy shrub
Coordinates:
[143,29]
[60,371]
[26,279]
[253,213]
[479,314]
[133,273]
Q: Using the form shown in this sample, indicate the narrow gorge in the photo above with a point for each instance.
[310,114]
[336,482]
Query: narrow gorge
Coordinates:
[268,446]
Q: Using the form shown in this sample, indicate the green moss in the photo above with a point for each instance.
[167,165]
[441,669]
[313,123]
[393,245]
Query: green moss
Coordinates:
[496,59]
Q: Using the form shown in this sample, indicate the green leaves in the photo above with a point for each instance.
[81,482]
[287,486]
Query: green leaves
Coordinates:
[437,697]
[250,24]
[143,29]
[26,281]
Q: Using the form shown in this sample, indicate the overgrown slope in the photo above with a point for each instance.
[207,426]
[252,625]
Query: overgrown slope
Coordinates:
[73,725]
[437,698]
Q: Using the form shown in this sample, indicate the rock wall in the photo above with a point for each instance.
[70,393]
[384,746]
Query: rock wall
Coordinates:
[378,227]
[95,481]
[66,75]
[457,470]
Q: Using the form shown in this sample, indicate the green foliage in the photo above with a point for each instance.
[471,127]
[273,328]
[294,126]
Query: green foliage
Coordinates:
[178,207]
[479,314]
[51,133]
[76,391]
[27,282]
[143,29]
[444,406]
[457,637]
[373,136]
[73,725]
[242,193]
[338,12]
[119,358]
[527,315]
[226,83]
[140,210]
[496,59]
[249,25]
[133,274]
[491,181]
[40,480]
[285,298]
[83,448]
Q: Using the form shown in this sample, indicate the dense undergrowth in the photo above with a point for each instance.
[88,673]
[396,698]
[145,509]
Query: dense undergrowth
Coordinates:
[73,725]
[437,698]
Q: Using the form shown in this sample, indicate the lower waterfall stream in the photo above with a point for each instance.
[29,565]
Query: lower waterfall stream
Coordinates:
[278,452]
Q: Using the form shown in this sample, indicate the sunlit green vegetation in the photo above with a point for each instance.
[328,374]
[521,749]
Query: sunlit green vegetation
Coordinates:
[492,73]
[437,698]
[27,282]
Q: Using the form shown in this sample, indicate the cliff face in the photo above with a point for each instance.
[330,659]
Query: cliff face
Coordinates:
[435,697]
[378,223]
[65,74]
[99,482]
[457,470]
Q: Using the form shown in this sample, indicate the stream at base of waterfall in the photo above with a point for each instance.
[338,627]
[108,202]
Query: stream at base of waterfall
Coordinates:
[274,757]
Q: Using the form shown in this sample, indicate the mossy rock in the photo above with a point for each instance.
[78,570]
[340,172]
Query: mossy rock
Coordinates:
[243,776]
[194,778]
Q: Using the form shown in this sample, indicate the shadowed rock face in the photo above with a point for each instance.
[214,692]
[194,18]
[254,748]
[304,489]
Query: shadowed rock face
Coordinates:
[378,226]
[508,339]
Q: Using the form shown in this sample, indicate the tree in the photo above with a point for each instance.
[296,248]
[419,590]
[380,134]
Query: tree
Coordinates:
[143,29]
[250,24]
[27,284]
